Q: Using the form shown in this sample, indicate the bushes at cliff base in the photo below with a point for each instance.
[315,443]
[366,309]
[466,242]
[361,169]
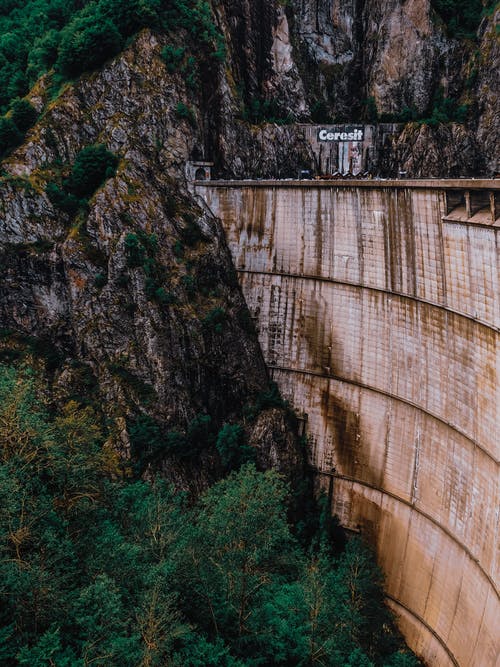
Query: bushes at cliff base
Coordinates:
[99,567]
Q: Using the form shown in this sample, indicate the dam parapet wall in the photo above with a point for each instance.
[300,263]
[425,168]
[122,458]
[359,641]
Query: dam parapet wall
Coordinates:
[378,310]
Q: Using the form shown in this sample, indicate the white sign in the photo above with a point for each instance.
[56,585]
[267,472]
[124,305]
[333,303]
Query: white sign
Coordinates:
[346,134]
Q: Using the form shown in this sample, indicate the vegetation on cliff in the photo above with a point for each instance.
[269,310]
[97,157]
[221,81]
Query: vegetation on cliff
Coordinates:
[100,568]
[321,79]
[93,165]
[97,566]
[462,17]
[73,36]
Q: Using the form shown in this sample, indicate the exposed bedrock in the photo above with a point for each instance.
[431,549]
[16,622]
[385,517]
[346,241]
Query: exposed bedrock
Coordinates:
[164,332]
[325,60]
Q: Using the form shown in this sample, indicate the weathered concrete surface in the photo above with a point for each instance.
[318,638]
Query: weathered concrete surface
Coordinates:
[380,320]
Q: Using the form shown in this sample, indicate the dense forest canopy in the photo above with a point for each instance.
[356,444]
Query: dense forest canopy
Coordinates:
[98,567]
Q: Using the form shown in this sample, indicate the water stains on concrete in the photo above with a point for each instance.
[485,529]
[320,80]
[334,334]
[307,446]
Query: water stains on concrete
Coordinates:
[379,315]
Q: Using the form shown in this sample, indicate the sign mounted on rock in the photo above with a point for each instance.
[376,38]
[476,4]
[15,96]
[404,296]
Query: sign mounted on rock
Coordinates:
[348,133]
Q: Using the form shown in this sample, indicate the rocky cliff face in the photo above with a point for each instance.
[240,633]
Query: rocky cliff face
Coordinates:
[168,335]
[328,60]
[488,85]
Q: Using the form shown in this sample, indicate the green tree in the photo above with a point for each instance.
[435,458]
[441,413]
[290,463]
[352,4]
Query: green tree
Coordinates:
[402,658]
[100,569]
[10,137]
[462,17]
[128,16]
[198,651]
[232,447]
[23,113]
[362,612]
[240,541]
[92,166]
[101,621]
[160,625]
[63,200]
[86,43]
[48,651]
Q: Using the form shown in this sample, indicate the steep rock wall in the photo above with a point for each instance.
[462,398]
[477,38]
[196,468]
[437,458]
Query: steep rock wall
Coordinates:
[324,59]
[358,46]
[68,283]
[378,309]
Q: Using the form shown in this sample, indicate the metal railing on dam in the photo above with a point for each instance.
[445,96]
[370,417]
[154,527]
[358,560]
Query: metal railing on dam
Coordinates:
[378,310]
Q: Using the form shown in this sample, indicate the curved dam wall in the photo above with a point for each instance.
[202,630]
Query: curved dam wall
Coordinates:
[378,311]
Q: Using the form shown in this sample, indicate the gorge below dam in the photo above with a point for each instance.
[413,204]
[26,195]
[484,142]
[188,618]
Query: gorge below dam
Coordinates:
[378,310]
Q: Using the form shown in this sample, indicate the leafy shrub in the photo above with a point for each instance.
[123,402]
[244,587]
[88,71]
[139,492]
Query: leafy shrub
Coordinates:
[199,436]
[215,319]
[189,284]
[23,113]
[43,53]
[163,297]
[176,444]
[178,249]
[185,112]
[232,447]
[152,442]
[191,233]
[63,200]
[201,433]
[93,165]
[320,113]
[408,114]
[462,17]
[12,129]
[86,44]
[140,249]
[190,73]
[173,56]
[270,398]
[446,110]
[261,110]
[131,15]
[135,251]
[100,280]
[10,137]
[146,439]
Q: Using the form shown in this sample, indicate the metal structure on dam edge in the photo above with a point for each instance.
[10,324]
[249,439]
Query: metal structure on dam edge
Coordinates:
[378,310]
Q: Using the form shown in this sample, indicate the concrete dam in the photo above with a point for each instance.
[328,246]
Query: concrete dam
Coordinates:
[378,310]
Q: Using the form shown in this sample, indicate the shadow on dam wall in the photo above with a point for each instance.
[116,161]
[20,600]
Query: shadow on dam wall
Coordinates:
[378,311]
